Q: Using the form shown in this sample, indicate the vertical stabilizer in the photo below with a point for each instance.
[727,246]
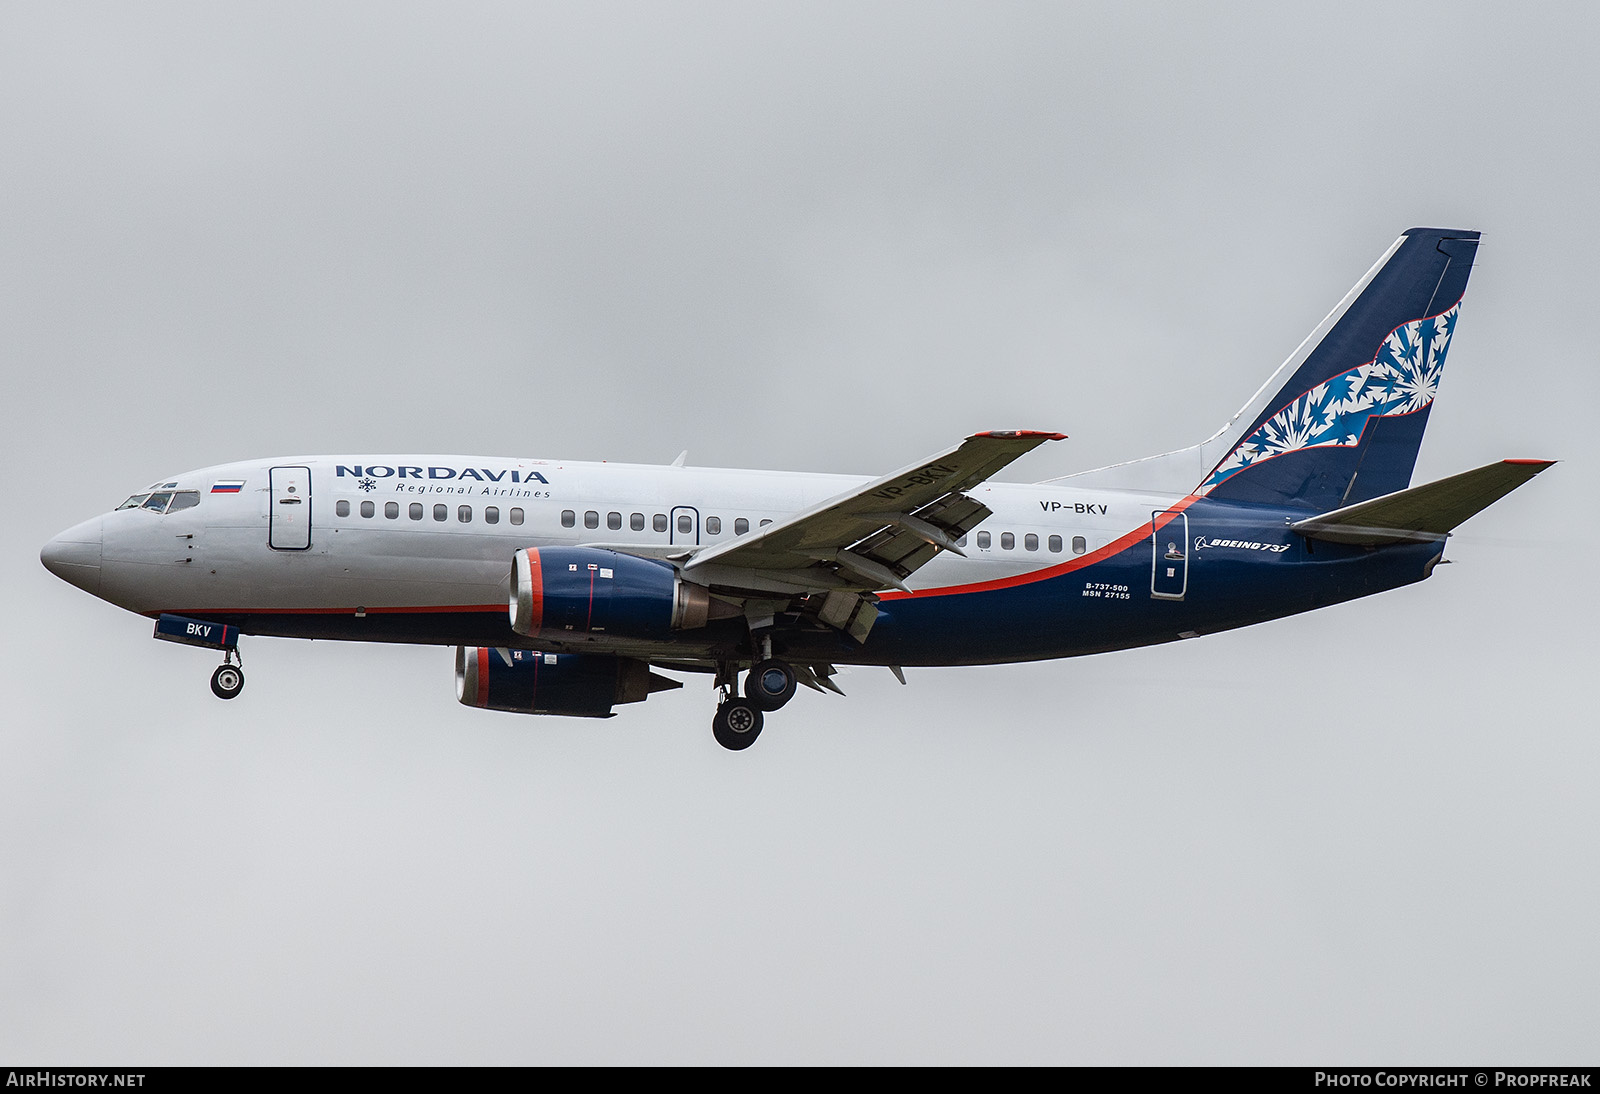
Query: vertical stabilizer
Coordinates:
[1346,425]
[1342,419]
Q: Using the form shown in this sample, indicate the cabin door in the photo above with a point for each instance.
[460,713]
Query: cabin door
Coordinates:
[289,520]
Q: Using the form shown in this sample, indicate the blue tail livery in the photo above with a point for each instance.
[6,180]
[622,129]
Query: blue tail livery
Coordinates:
[568,588]
[1347,424]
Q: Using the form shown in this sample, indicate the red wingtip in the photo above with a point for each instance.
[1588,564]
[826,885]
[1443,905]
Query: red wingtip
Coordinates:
[1007,433]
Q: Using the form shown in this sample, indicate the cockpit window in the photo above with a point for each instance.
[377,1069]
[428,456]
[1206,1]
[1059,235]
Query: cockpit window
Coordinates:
[165,501]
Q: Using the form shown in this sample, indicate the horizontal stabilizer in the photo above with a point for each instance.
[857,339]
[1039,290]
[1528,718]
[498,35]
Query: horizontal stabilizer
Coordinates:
[1422,513]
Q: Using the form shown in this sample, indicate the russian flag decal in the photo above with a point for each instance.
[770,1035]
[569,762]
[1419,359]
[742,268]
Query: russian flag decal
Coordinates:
[229,486]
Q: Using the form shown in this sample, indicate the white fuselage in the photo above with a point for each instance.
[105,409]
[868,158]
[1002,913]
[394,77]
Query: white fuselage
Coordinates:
[438,532]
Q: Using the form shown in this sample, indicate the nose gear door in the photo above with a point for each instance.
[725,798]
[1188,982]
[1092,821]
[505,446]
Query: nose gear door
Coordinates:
[289,519]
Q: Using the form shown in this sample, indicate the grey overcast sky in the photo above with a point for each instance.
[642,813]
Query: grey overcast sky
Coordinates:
[831,237]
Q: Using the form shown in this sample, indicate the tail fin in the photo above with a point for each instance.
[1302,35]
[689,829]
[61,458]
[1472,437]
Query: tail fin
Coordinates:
[1348,422]
[1342,419]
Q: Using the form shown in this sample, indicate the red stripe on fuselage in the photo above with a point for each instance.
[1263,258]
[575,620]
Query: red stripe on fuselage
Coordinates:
[1115,547]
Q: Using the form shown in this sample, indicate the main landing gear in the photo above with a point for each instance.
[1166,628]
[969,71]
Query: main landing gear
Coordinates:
[767,687]
[737,724]
[228,680]
[771,684]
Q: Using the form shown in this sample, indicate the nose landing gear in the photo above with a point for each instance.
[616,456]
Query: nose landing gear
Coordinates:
[228,680]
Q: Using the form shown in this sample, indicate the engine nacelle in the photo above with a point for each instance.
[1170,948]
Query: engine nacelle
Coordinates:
[559,591]
[578,685]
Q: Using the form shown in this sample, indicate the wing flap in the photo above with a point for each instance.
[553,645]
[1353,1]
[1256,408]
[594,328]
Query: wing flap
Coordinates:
[1430,511]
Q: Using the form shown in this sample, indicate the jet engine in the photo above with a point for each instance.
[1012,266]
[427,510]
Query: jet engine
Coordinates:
[578,685]
[587,590]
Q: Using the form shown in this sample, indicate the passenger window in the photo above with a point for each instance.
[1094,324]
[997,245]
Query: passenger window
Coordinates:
[636,522]
[685,524]
[614,521]
[765,523]
[568,518]
[441,512]
[341,508]
[516,516]
[391,510]
[416,510]
[983,540]
[184,499]
[962,542]
[591,519]
[1079,545]
[713,526]
[659,522]
[464,514]
[1007,541]
[368,509]
[157,503]
[1030,542]
[740,526]
[1055,544]
[491,515]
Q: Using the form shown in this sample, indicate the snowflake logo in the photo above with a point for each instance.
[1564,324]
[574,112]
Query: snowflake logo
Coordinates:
[369,485]
[1401,378]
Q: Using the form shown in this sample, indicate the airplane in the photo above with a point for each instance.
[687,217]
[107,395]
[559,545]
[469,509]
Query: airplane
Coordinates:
[565,586]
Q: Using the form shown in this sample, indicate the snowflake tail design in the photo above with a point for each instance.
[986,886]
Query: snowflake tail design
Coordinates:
[1402,378]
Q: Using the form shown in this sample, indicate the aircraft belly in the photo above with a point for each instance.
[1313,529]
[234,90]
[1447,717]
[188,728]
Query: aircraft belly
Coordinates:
[1109,605]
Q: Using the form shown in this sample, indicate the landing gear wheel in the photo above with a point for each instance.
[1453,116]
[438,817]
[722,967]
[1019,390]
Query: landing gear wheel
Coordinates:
[737,724]
[227,681]
[770,684]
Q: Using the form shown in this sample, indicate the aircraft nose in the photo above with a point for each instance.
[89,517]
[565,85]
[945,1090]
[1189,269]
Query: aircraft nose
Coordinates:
[74,555]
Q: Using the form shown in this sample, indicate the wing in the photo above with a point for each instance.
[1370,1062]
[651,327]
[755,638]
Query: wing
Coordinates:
[874,537]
